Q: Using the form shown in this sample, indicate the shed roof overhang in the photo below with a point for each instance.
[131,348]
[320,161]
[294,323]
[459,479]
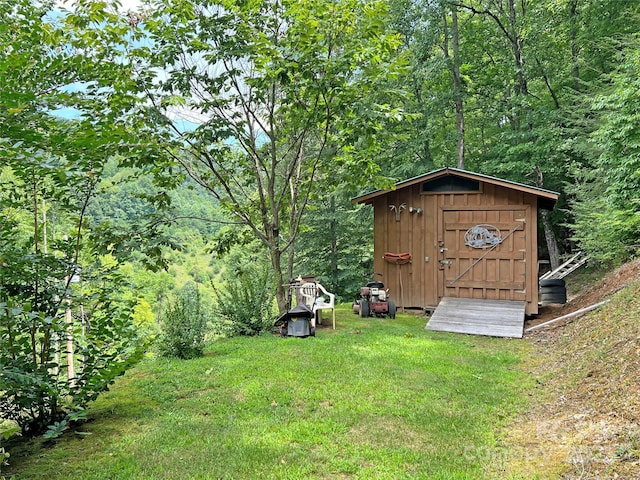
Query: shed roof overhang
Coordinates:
[546,198]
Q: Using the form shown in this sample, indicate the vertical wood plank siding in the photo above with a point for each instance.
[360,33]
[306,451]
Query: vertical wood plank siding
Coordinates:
[509,272]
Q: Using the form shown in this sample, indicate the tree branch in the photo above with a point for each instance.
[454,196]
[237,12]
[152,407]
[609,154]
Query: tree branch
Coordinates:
[488,13]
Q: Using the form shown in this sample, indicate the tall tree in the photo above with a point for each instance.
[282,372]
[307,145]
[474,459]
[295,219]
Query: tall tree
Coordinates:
[510,20]
[453,59]
[60,120]
[432,35]
[282,93]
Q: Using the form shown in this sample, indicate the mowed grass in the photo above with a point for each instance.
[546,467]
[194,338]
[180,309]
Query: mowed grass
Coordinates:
[374,399]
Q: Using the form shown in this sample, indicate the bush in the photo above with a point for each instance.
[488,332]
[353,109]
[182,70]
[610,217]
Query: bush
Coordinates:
[245,305]
[36,389]
[184,325]
[8,428]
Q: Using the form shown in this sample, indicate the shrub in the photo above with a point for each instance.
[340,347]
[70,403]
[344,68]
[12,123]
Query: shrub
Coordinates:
[245,304]
[8,428]
[37,389]
[184,325]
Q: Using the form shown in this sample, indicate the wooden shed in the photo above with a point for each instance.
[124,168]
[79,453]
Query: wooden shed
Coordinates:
[454,234]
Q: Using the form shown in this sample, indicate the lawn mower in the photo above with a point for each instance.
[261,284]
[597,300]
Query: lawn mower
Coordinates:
[373,301]
[299,320]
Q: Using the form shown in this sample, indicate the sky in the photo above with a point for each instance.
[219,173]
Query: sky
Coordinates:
[184,118]
[126,5]
[130,4]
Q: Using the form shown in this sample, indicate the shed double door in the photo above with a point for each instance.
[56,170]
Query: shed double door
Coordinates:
[495,269]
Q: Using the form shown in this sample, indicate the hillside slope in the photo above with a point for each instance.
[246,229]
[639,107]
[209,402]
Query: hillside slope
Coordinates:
[585,417]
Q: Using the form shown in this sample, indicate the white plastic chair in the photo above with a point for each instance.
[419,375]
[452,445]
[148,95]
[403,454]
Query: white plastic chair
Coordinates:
[317,298]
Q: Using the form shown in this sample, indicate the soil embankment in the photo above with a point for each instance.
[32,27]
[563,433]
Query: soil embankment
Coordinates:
[584,422]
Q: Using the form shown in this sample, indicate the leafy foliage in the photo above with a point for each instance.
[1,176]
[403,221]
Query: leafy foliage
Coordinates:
[244,304]
[8,428]
[61,343]
[184,325]
[530,72]
[335,244]
[284,96]
[605,200]
[38,387]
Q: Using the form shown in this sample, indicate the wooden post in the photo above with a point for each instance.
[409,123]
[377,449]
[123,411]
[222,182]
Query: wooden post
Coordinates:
[69,330]
[69,320]
[568,315]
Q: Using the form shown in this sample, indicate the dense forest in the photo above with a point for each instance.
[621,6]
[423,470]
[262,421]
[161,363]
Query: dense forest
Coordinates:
[216,145]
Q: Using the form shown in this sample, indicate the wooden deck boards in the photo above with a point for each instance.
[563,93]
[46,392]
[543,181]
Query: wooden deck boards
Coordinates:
[495,318]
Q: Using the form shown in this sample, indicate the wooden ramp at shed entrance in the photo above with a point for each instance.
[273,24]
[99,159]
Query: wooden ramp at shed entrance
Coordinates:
[494,318]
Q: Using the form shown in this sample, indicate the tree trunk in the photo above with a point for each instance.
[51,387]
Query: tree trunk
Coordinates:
[334,246]
[457,85]
[281,289]
[71,372]
[516,46]
[549,234]
[550,237]
[575,69]
[454,66]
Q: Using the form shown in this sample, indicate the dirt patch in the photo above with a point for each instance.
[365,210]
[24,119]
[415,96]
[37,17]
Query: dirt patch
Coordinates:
[585,418]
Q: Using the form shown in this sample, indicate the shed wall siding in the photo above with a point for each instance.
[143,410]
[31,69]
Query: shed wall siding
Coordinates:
[421,283]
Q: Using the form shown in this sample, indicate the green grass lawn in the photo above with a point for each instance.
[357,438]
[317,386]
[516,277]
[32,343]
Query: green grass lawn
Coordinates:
[374,399]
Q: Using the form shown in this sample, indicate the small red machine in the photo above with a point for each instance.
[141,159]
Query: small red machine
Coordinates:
[373,301]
